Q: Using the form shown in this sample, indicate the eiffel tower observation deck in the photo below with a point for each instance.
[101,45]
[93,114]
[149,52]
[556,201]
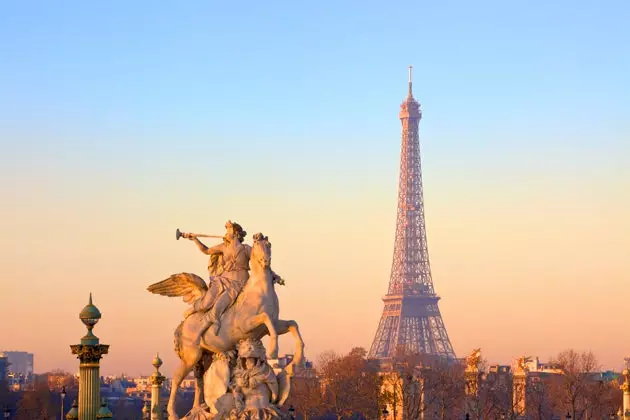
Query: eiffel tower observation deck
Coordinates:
[411,318]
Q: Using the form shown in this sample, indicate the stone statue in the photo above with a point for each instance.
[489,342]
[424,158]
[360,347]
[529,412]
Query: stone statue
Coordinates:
[255,388]
[229,270]
[237,307]
[521,364]
[473,360]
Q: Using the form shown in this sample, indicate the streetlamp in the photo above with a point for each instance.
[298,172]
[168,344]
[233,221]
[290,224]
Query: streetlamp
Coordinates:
[292,412]
[385,413]
[7,412]
[568,416]
[63,396]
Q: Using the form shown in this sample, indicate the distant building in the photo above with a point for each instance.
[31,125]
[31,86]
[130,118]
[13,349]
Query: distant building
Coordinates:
[306,371]
[188,383]
[536,366]
[21,363]
[143,383]
[606,376]
[112,385]
[500,375]
[4,368]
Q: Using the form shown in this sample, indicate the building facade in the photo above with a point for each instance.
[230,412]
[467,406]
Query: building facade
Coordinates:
[21,362]
[4,369]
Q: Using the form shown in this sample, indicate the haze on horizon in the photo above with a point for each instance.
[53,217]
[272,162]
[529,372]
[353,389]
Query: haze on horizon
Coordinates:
[120,122]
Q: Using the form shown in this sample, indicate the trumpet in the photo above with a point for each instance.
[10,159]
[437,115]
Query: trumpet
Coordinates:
[187,235]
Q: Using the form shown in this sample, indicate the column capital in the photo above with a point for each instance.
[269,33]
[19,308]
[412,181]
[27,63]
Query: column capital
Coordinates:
[88,353]
[157,379]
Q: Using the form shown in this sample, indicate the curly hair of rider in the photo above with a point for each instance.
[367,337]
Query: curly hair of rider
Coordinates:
[238,230]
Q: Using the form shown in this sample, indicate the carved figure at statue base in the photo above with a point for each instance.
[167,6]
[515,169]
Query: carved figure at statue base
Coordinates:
[213,340]
[255,392]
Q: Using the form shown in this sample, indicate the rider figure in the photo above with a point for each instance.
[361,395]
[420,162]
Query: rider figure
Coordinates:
[229,270]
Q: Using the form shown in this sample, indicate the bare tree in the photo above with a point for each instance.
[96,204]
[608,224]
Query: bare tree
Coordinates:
[602,398]
[38,404]
[306,396]
[447,384]
[538,394]
[574,387]
[58,379]
[350,384]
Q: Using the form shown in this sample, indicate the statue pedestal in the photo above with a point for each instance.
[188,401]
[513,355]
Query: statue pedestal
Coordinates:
[241,385]
[203,413]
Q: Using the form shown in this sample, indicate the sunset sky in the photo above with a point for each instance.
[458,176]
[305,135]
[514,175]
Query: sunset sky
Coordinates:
[122,121]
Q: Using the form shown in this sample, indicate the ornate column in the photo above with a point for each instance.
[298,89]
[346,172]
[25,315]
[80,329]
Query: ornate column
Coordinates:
[471,375]
[157,379]
[625,387]
[519,386]
[89,353]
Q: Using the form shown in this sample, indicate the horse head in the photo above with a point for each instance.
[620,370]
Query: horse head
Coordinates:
[261,251]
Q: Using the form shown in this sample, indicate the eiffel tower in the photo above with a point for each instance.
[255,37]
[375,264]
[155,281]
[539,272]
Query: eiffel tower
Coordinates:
[411,318]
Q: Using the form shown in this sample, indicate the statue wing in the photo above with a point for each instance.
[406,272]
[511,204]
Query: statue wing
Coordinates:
[189,286]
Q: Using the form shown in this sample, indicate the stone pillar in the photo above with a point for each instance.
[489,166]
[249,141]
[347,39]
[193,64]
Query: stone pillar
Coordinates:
[520,381]
[519,394]
[156,386]
[89,353]
[626,394]
[471,377]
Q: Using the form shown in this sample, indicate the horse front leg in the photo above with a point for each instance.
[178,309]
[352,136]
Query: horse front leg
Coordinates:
[256,321]
[285,326]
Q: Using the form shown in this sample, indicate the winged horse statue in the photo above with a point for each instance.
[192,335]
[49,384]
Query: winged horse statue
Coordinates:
[254,314]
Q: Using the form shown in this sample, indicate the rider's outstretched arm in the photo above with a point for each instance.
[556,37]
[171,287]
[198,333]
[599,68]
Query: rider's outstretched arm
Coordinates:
[217,249]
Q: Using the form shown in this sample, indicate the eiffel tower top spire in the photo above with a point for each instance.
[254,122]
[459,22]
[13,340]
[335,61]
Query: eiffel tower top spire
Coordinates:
[410,108]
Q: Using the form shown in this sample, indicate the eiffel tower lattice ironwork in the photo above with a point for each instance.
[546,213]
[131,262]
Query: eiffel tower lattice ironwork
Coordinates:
[411,318]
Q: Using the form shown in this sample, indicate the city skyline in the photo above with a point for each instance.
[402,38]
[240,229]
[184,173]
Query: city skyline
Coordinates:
[114,134]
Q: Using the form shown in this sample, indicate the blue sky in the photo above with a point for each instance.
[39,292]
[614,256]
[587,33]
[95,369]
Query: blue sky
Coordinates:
[122,120]
[317,70]
[505,86]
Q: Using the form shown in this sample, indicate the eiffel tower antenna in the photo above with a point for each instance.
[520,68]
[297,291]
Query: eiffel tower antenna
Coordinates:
[411,318]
